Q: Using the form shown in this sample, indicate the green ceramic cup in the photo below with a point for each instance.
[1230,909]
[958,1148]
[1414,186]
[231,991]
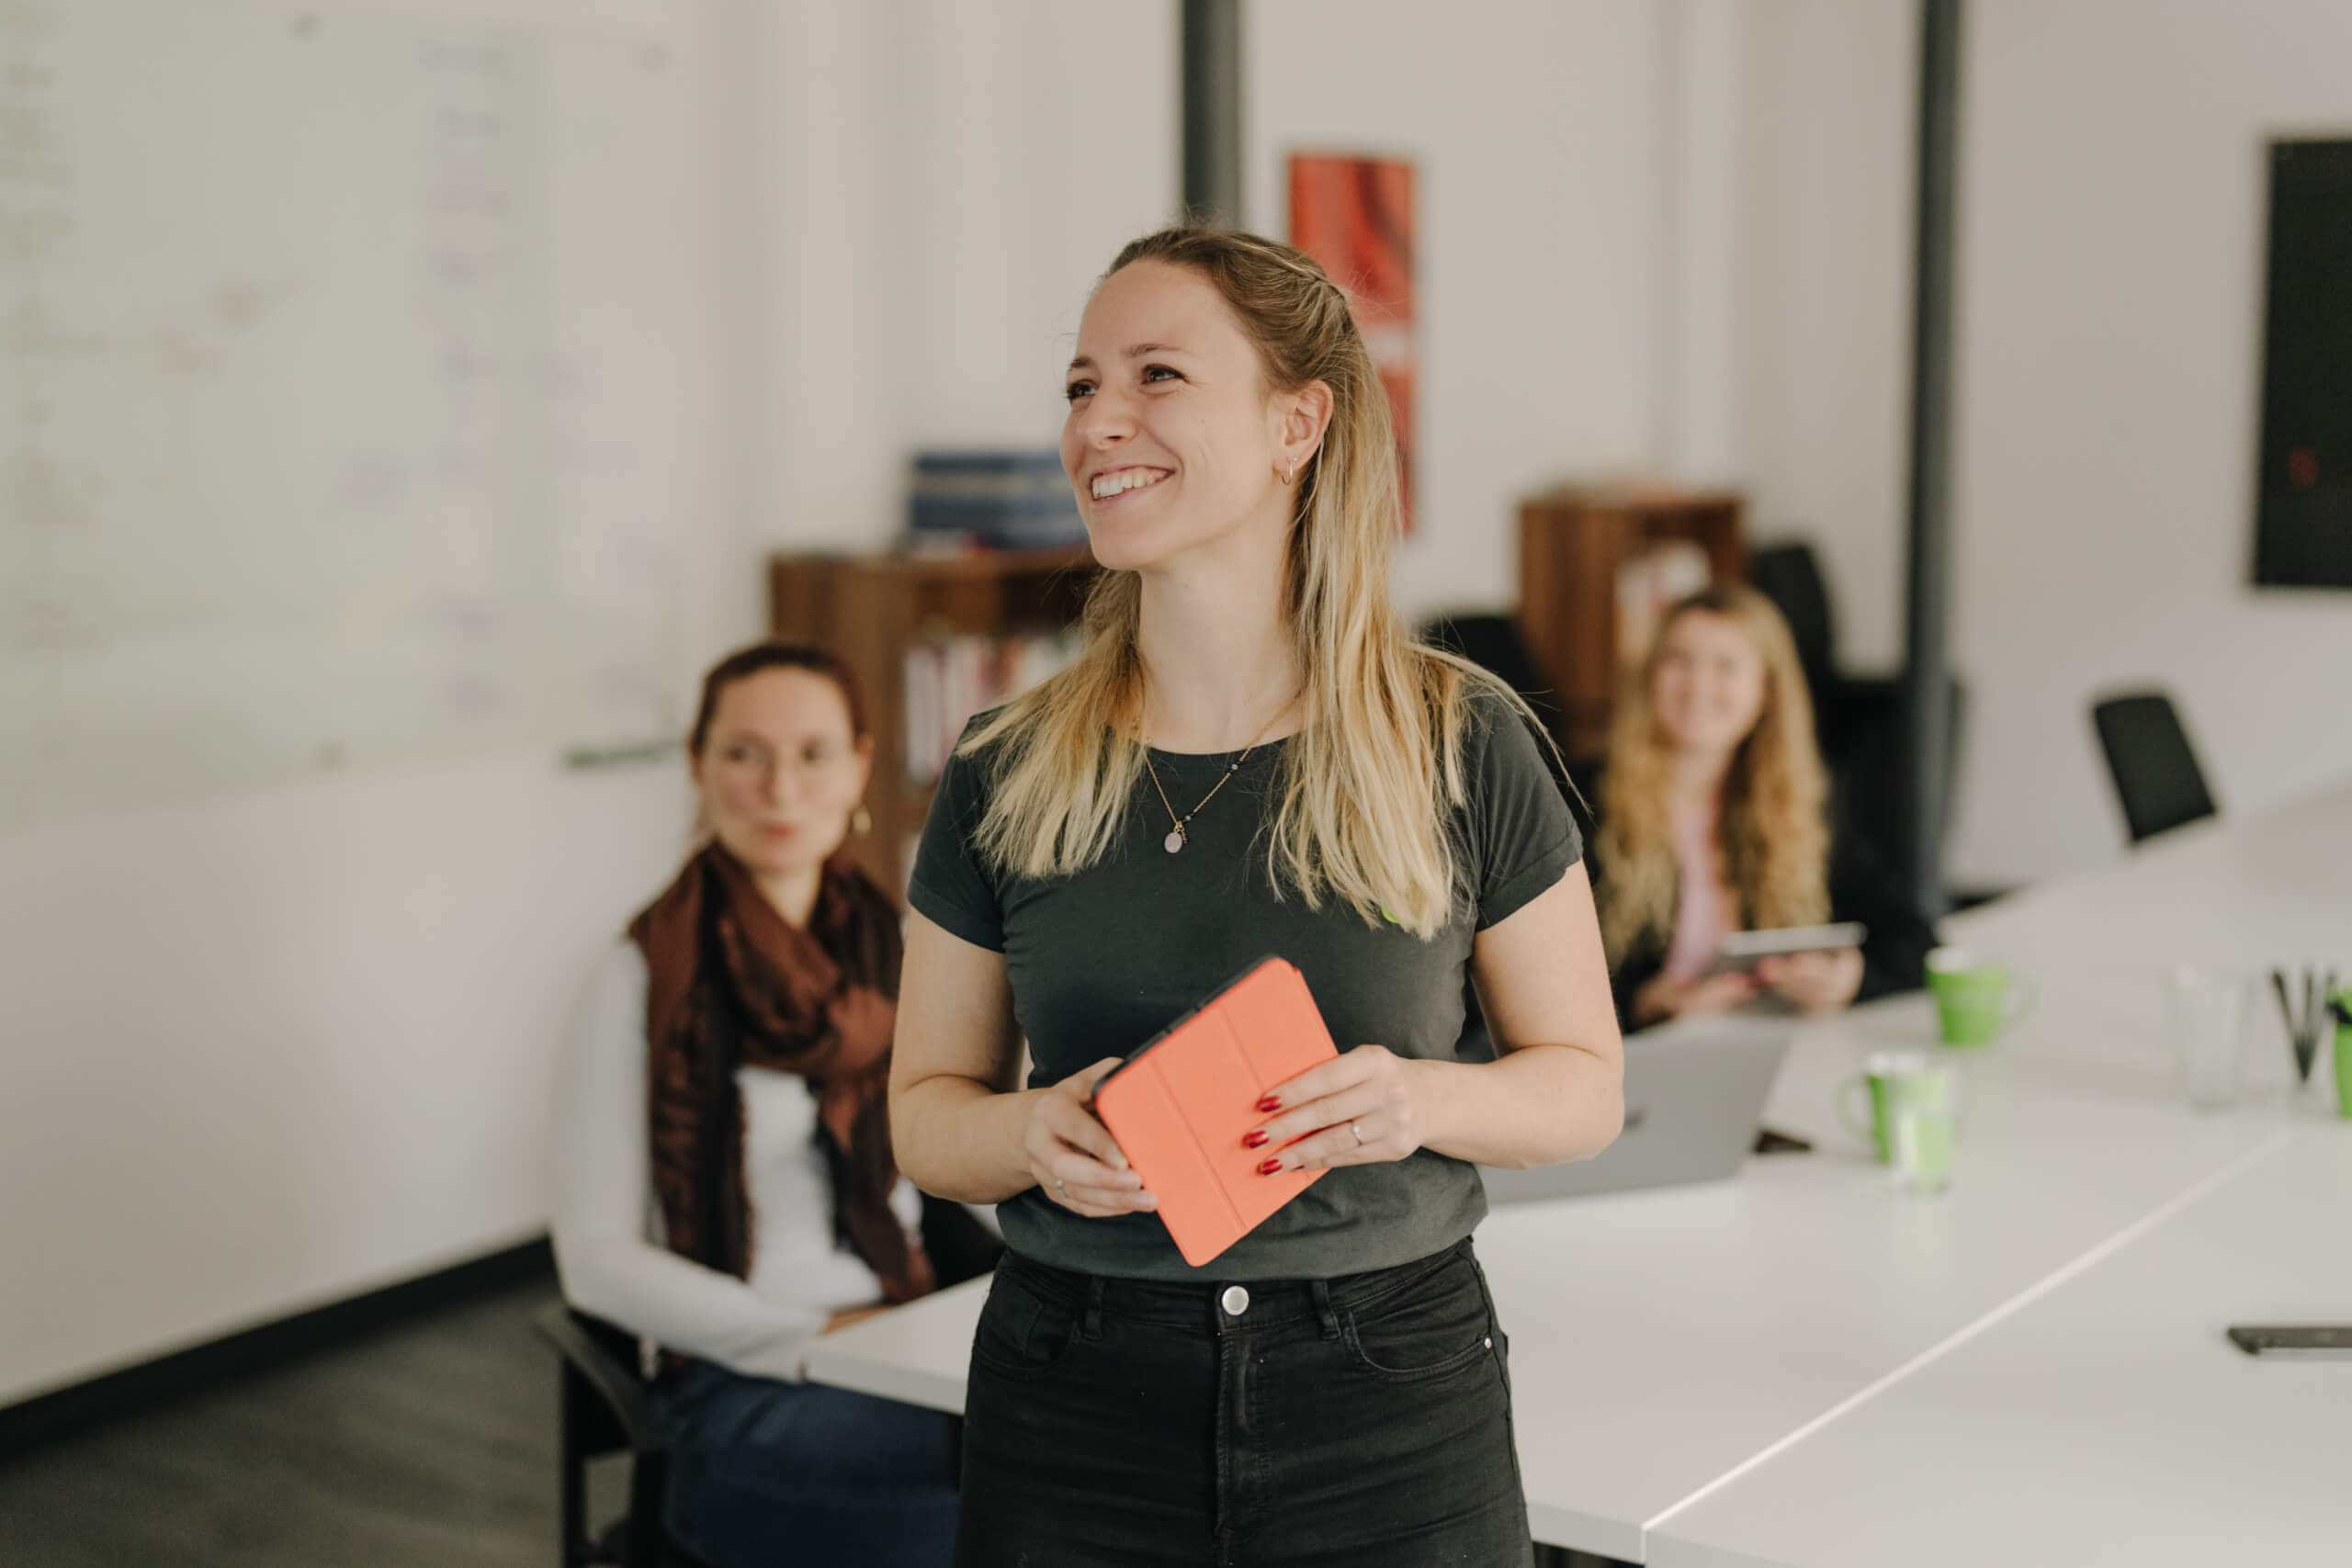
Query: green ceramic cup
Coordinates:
[1976,996]
[1902,1086]
[1921,1132]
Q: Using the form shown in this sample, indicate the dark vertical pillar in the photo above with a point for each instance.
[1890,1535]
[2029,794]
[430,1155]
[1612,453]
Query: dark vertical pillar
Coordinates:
[1212,96]
[1926,687]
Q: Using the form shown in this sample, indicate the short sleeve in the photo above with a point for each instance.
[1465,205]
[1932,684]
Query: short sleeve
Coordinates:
[950,887]
[1522,834]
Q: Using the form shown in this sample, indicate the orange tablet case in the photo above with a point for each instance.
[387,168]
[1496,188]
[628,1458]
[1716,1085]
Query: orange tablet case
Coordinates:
[1182,1104]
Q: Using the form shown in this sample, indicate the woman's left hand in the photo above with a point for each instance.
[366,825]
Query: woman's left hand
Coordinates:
[1366,1106]
[1816,982]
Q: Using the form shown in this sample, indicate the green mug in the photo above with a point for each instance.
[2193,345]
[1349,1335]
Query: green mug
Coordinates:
[1976,996]
[1911,1107]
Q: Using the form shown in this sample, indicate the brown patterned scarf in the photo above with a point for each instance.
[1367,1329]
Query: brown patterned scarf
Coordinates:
[734,984]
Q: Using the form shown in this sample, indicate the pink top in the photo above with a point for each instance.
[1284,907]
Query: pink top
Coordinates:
[1704,916]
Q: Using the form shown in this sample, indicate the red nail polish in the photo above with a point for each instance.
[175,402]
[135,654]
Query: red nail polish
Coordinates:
[1255,1140]
[1270,1166]
[1270,1104]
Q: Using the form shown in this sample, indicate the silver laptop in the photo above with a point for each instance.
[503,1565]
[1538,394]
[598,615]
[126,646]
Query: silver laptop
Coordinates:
[1694,1093]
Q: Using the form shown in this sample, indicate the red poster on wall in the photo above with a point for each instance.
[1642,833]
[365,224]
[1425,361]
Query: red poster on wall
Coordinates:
[1355,216]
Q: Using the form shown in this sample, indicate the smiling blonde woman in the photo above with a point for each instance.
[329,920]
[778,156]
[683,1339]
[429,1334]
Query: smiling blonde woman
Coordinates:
[1250,758]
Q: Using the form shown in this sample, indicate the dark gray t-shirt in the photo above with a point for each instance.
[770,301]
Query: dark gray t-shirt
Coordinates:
[1101,962]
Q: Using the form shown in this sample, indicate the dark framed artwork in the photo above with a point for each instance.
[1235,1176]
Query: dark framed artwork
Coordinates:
[2303,522]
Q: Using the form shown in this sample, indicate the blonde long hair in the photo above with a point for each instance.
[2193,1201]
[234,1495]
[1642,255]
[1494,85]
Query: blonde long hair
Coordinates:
[1774,837]
[1365,784]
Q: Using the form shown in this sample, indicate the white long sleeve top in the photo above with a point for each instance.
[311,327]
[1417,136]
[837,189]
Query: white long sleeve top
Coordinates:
[607,1227]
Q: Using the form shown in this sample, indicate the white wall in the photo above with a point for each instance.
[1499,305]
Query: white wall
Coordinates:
[1818,359]
[946,182]
[262,1052]
[2109,328]
[269,1051]
[265,1052]
[1531,123]
[2111,279]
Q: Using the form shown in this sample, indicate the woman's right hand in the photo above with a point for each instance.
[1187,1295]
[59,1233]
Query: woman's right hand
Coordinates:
[1662,999]
[1075,1159]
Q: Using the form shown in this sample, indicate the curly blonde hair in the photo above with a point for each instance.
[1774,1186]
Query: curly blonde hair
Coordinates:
[1774,835]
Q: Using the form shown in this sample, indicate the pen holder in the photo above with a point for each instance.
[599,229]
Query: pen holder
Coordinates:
[2344,1053]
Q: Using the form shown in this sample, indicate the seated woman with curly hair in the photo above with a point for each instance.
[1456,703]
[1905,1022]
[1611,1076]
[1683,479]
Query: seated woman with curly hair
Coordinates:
[1716,817]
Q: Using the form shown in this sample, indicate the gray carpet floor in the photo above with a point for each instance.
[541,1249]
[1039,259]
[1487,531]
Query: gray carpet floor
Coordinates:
[432,1445]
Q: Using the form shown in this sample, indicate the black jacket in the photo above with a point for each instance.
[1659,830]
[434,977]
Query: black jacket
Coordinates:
[1895,950]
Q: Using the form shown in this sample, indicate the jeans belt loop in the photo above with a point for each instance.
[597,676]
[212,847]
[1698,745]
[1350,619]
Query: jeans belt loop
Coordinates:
[1091,1325]
[1325,1313]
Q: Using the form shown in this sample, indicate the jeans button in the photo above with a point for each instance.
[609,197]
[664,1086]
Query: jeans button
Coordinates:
[1235,1300]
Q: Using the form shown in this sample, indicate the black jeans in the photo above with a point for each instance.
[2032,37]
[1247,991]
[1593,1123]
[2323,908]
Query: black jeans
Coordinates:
[1362,1421]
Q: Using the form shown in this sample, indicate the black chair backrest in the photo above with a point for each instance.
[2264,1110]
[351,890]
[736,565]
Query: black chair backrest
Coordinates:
[2155,768]
[1789,577]
[1493,643]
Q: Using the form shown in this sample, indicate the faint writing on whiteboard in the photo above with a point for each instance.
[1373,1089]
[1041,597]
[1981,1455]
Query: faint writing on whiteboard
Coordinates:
[350,368]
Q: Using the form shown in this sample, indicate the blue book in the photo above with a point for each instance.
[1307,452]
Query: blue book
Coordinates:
[1003,501]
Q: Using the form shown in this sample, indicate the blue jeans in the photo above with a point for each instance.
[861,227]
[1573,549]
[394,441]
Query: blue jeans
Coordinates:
[766,1474]
[1363,1422]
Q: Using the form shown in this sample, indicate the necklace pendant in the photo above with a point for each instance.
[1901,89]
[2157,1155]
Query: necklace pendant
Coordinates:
[1174,841]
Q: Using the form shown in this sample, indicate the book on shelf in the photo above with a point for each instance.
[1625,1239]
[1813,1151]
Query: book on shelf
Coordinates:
[950,679]
[999,501]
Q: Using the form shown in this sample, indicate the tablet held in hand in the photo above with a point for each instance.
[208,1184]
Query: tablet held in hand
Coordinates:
[1182,1105]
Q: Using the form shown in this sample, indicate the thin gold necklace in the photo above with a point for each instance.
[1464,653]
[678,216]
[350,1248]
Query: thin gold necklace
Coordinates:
[1177,836]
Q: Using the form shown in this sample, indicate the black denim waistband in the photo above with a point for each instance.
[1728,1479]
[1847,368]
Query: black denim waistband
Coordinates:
[1197,1303]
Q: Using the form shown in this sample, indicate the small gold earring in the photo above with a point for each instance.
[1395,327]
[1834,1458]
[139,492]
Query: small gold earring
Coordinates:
[861,821]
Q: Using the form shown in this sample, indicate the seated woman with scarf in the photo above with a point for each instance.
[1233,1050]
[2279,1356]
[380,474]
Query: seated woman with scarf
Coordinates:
[727,1188]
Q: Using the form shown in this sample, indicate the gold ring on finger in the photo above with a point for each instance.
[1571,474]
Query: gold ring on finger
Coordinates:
[1358,1131]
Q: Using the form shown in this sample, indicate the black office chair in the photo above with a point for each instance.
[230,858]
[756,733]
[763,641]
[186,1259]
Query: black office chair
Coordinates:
[1493,643]
[1789,577]
[2155,768]
[607,1406]
[1858,720]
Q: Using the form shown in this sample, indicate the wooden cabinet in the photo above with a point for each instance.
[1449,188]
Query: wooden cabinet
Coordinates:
[1580,554]
[874,610]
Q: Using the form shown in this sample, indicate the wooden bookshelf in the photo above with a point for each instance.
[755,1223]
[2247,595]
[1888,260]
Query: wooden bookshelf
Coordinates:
[1573,545]
[873,609]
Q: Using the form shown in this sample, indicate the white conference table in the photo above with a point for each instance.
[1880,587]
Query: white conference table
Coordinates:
[2106,1420]
[1673,1351]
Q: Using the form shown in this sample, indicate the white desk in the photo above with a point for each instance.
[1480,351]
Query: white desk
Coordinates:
[1660,1339]
[2107,1421]
[2274,889]
[917,1353]
[1662,1342]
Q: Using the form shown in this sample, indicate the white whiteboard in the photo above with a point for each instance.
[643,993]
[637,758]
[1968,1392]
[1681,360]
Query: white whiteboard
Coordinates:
[349,372]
